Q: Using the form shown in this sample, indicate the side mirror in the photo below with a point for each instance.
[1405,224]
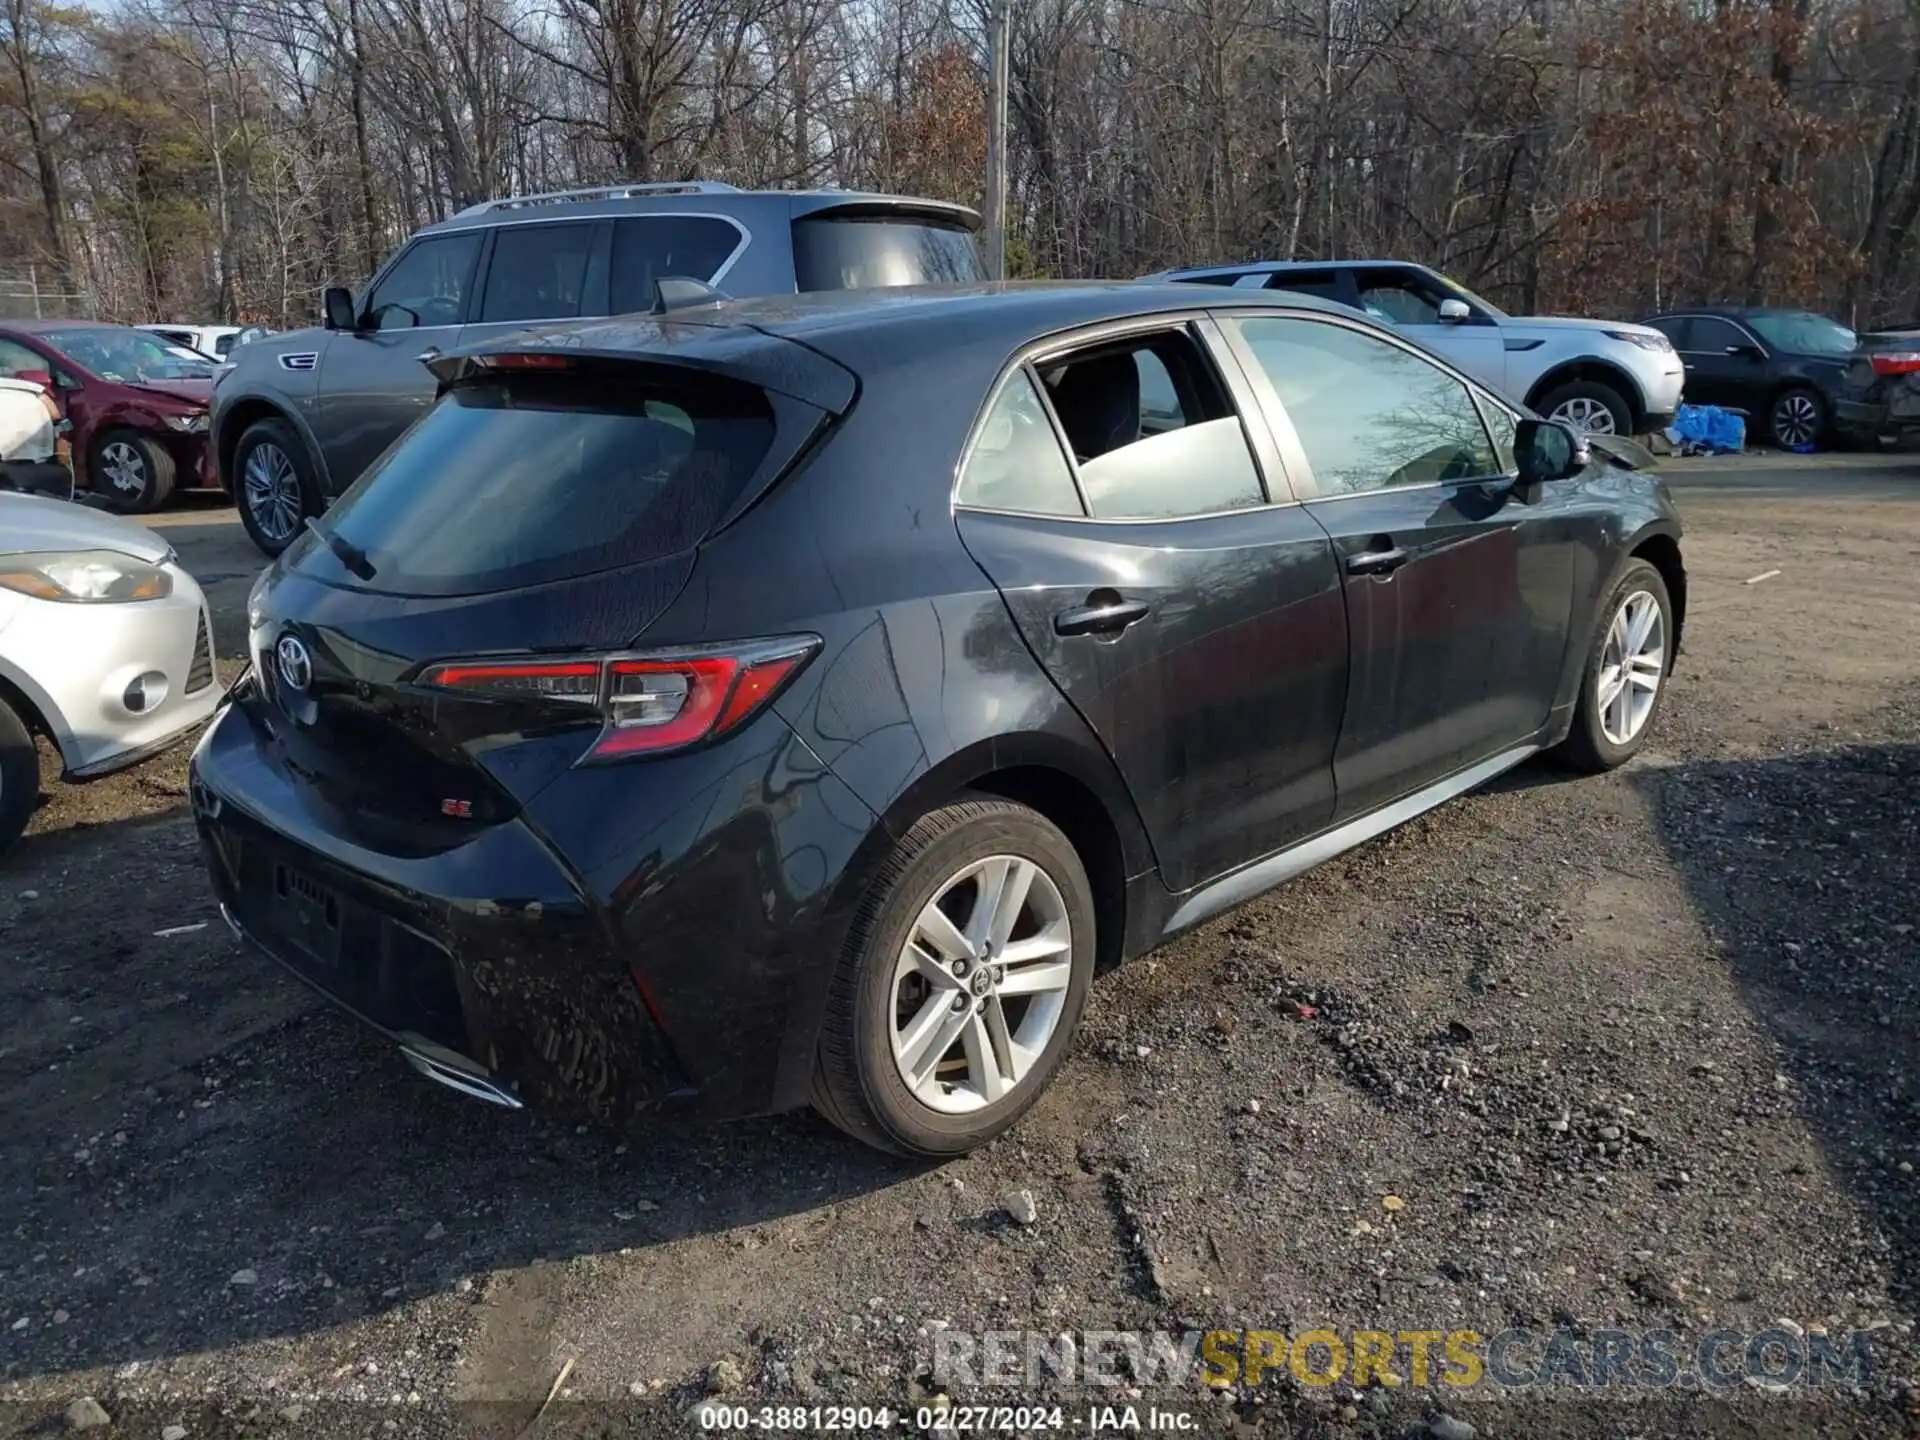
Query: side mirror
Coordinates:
[336,307]
[1452,312]
[42,378]
[1546,450]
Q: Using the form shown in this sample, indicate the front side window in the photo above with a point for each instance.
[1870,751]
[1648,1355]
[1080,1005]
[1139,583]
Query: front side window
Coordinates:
[1153,430]
[1017,463]
[427,285]
[1370,415]
[538,272]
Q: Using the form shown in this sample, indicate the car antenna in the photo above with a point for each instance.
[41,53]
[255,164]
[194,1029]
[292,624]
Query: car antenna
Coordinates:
[348,553]
[678,292]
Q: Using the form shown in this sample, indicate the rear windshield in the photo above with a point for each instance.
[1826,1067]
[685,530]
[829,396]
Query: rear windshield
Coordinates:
[860,252]
[517,482]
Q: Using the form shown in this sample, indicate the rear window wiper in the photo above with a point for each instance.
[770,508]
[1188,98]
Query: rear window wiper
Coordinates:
[345,551]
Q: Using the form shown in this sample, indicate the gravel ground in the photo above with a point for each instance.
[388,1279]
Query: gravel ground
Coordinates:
[1635,1052]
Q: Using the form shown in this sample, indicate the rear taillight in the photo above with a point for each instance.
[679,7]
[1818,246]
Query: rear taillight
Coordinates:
[648,704]
[1897,362]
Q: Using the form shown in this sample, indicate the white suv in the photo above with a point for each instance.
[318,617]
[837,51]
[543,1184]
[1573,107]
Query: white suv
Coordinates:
[1601,376]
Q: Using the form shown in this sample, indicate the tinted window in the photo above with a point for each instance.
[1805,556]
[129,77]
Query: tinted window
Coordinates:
[1153,431]
[223,345]
[1017,463]
[1325,284]
[427,285]
[656,247]
[860,253]
[538,272]
[1369,414]
[1677,328]
[507,483]
[1707,335]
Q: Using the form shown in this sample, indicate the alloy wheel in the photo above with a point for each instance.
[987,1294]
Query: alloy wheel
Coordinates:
[1585,414]
[1632,663]
[272,488]
[125,469]
[1796,420]
[980,986]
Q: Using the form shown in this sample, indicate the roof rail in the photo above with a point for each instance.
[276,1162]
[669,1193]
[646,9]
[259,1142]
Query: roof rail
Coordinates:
[622,191]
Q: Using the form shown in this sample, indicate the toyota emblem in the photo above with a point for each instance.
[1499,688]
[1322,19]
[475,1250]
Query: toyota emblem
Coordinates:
[296,665]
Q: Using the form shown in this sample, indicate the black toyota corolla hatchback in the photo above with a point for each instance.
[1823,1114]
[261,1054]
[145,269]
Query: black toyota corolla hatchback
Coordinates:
[793,701]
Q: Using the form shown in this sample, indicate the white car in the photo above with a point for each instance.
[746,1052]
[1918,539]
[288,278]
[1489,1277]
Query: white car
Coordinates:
[216,342]
[106,647]
[1603,377]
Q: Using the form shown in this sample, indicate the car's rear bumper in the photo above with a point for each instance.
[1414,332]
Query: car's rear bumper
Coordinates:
[1894,414]
[688,968]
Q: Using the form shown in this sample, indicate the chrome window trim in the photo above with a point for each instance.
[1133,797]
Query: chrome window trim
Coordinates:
[1048,347]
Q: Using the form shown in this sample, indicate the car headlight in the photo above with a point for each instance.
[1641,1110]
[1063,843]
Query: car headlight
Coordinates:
[256,608]
[195,424]
[1656,343]
[88,577]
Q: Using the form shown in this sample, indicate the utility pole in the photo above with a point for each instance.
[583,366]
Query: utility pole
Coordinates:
[996,197]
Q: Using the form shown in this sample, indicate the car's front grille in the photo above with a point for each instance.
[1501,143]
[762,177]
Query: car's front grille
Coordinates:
[200,672]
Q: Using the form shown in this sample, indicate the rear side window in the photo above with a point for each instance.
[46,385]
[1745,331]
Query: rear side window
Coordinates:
[1017,463]
[859,252]
[1153,431]
[650,248]
[1322,284]
[538,272]
[515,482]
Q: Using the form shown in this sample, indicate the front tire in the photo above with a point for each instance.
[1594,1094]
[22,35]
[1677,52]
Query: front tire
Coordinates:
[131,472]
[1629,657]
[19,776]
[961,982]
[1589,407]
[273,485]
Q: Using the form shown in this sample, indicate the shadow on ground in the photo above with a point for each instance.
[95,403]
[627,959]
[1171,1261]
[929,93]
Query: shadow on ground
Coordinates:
[1806,868]
[199,1154]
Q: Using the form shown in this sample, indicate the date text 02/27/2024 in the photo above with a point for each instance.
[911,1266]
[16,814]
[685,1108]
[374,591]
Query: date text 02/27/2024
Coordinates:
[717,1418]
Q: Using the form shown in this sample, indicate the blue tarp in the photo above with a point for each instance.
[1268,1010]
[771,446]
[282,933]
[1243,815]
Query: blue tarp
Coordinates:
[1707,430]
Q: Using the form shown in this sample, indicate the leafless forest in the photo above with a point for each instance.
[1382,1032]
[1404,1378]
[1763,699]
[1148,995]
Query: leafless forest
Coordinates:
[210,159]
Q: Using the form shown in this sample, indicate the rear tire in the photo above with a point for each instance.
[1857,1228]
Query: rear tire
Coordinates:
[1796,418]
[273,485]
[1590,407]
[885,1018]
[19,776]
[131,472]
[1607,730]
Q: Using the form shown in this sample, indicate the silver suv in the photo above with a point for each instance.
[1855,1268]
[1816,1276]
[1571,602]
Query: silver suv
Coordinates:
[299,416]
[1600,376]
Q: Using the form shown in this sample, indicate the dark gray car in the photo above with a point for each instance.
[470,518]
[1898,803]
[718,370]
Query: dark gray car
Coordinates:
[300,415]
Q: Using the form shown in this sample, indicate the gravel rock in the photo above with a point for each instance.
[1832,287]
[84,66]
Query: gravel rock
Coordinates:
[174,1432]
[244,1277]
[1446,1427]
[1020,1207]
[725,1376]
[86,1413]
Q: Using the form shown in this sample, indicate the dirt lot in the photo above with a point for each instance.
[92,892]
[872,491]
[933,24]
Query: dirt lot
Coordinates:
[1630,1052]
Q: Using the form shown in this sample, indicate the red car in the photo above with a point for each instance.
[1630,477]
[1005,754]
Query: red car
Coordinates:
[137,403]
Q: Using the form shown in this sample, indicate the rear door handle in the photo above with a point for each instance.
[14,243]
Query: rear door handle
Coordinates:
[1376,562]
[1108,619]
